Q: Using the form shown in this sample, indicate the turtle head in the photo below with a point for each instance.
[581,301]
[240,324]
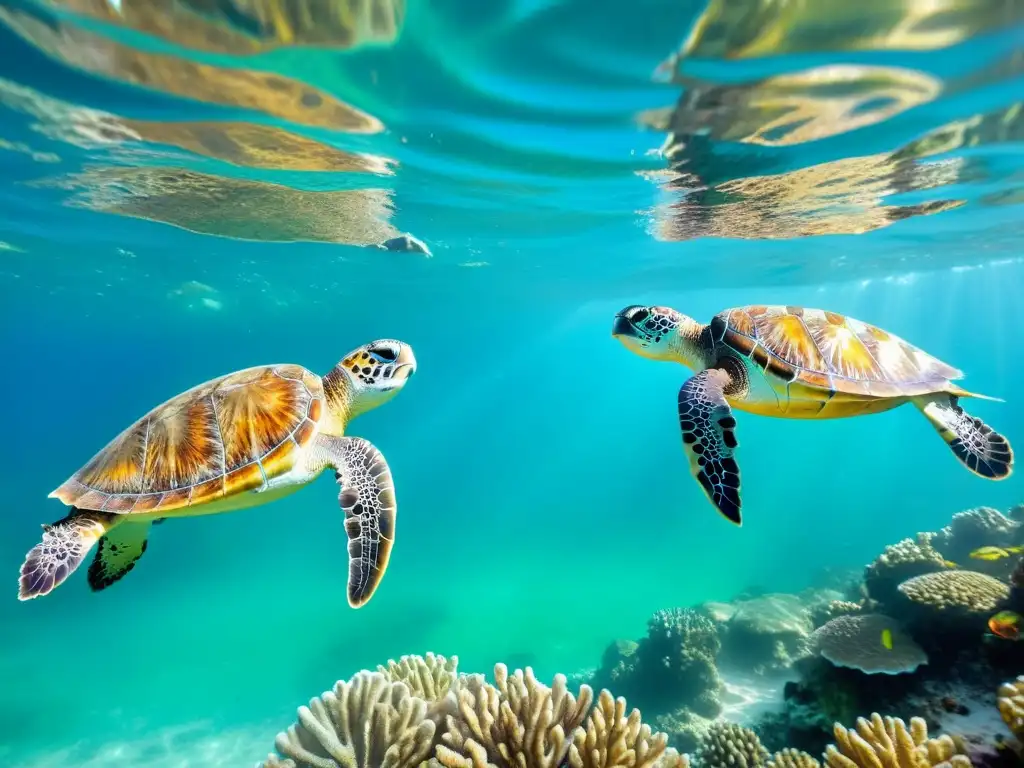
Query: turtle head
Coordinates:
[659,333]
[370,375]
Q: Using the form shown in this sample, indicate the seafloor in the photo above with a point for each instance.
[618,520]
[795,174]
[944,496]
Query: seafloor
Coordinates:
[767,680]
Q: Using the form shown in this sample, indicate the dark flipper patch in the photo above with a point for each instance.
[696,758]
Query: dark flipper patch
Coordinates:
[982,450]
[63,548]
[709,439]
[368,500]
[117,554]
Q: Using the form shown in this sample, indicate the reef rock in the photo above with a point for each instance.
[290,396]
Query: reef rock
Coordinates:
[767,633]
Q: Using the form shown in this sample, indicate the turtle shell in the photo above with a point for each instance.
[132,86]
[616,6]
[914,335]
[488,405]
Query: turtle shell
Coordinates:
[221,438]
[830,352]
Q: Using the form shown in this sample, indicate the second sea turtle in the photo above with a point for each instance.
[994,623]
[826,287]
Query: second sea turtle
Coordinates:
[798,363]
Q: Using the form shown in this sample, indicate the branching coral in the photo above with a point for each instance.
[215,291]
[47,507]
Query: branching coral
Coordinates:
[517,723]
[856,641]
[792,758]
[609,739]
[430,677]
[957,590]
[731,746]
[1011,706]
[888,743]
[367,722]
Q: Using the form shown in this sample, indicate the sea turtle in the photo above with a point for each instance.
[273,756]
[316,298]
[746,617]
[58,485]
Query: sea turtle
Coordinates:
[237,441]
[798,363]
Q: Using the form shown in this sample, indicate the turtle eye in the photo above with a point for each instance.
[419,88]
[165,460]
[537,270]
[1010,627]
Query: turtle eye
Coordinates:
[639,315]
[385,354]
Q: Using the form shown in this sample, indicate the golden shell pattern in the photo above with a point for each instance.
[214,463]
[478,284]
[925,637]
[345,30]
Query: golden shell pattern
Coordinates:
[218,439]
[830,351]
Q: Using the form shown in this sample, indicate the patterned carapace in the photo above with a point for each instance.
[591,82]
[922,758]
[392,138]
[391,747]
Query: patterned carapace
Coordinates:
[830,351]
[220,438]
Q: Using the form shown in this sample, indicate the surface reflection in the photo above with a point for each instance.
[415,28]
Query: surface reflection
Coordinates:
[243,27]
[269,93]
[236,208]
[732,170]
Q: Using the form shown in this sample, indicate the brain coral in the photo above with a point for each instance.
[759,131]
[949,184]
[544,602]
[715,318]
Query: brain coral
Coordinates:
[888,743]
[1011,705]
[856,641]
[727,745]
[962,590]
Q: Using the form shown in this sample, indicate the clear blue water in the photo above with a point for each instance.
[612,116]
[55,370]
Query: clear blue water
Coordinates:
[545,506]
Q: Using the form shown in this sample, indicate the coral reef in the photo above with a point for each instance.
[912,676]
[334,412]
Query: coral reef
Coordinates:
[516,723]
[899,562]
[671,674]
[766,633]
[609,739]
[888,743]
[792,758]
[1011,706]
[961,591]
[856,642]
[727,745]
[373,720]
[367,722]
[430,677]
[974,528]
[824,613]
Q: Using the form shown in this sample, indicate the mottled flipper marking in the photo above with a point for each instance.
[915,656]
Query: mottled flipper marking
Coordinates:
[368,500]
[63,548]
[709,439]
[117,554]
[982,450]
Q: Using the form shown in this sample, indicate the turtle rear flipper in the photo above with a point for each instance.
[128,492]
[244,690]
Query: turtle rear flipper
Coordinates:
[63,548]
[982,450]
[117,554]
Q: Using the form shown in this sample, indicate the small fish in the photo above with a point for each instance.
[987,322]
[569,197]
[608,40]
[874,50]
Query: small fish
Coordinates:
[887,638]
[950,564]
[990,553]
[1006,624]
[1014,550]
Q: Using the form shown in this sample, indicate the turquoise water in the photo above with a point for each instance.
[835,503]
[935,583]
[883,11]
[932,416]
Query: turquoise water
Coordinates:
[545,506]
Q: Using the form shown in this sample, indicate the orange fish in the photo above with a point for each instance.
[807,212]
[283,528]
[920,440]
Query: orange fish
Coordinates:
[1006,624]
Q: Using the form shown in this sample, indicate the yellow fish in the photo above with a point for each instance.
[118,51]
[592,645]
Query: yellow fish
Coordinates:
[989,553]
[887,638]
[950,564]
[1014,550]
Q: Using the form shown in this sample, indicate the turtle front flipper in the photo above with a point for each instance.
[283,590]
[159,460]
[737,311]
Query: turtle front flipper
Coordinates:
[117,554]
[368,500]
[709,438]
[982,450]
[63,548]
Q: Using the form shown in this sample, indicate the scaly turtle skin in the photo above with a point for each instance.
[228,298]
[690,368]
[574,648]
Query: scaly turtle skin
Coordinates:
[238,441]
[798,363]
